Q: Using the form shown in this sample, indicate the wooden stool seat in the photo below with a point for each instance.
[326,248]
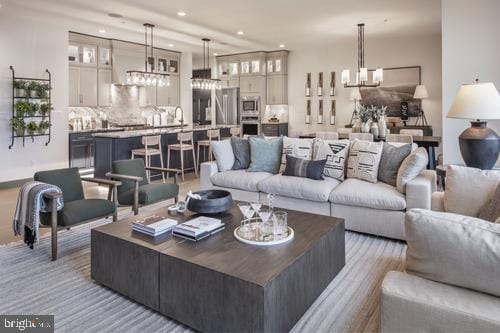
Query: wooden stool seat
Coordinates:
[144,152]
[178,146]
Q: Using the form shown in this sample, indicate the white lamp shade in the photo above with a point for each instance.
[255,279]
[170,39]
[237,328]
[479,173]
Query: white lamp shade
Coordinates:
[476,101]
[420,92]
[355,95]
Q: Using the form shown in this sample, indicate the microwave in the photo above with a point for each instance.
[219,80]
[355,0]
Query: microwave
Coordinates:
[250,106]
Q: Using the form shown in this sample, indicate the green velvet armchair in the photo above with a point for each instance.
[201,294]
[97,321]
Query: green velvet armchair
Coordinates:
[77,209]
[136,190]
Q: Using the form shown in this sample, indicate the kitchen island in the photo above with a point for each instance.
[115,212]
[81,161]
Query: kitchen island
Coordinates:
[113,146]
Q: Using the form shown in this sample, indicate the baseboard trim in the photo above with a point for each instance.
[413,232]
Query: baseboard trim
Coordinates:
[14,183]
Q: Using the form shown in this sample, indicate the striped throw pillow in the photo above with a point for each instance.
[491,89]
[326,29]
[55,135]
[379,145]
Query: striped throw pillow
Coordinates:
[299,167]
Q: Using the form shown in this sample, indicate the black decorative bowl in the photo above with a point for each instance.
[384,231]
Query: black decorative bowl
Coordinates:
[211,202]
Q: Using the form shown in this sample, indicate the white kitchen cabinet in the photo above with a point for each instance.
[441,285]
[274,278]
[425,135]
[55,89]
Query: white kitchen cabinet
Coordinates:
[151,97]
[230,82]
[105,77]
[253,84]
[169,95]
[82,86]
[277,89]
[74,89]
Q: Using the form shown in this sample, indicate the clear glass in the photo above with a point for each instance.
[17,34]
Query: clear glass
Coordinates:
[104,56]
[246,227]
[270,66]
[277,67]
[266,227]
[88,55]
[245,67]
[255,66]
[280,224]
[73,53]
[233,68]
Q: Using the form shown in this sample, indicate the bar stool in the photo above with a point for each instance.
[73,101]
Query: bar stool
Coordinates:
[185,144]
[235,131]
[213,135]
[147,152]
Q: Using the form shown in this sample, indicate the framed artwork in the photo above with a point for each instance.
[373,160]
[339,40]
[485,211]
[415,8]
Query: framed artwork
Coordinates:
[320,84]
[333,112]
[320,111]
[308,85]
[398,87]
[332,84]
[308,112]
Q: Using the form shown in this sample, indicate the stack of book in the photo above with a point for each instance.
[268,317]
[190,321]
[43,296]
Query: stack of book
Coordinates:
[198,228]
[154,225]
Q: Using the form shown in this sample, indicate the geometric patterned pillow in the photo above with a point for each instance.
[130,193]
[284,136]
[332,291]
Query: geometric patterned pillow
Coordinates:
[364,160]
[300,148]
[335,152]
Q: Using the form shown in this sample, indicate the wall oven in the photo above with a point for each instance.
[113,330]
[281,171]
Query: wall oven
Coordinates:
[250,106]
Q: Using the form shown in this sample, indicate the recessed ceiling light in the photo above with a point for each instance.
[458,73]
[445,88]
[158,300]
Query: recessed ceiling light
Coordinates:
[282,45]
[115,15]
[102,31]
[171,45]
[240,33]
[181,14]
[1,5]
[216,54]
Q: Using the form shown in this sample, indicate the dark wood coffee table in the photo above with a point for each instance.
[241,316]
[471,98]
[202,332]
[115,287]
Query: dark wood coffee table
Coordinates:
[221,284]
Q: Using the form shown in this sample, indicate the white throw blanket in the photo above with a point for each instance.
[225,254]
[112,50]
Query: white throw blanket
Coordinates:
[30,203]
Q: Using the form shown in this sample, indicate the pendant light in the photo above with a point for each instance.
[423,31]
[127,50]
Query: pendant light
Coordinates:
[206,82]
[362,73]
[148,78]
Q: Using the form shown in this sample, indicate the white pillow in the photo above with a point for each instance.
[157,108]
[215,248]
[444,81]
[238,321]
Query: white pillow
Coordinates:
[453,249]
[224,155]
[300,148]
[335,152]
[364,160]
[411,167]
[469,189]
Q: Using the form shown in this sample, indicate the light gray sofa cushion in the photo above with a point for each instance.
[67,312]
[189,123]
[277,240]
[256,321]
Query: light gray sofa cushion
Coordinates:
[300,148]
[364,159]
[239,179]
[300,188]
[411,167]
[491,210]
[391,160]
[469,189]
[356,192]
[265,154]
[454,249]
[224,156]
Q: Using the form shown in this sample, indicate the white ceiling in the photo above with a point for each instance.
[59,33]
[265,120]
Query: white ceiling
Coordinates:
[266,23]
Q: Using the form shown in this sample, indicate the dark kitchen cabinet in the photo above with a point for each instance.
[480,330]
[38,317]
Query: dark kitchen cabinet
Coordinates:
[81,150]
[277,129]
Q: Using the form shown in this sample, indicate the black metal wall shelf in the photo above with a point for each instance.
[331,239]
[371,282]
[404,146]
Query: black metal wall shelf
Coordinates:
[46,98]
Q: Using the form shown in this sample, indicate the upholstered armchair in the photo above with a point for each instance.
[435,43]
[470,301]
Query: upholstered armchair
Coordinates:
[136,190]
[77,209]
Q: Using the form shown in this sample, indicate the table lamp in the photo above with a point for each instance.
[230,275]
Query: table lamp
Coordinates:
[355,96]
[479,144]
[421,93]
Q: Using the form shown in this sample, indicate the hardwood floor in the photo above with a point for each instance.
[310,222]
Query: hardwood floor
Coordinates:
[8,200]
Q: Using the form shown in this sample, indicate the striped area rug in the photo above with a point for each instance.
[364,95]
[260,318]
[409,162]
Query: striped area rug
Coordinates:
[32,284]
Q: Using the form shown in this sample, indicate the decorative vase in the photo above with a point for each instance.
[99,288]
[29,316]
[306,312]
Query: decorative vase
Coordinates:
[20,92]
[33,94]
[19,131]
[382,127]
[365,127]
[356,127]
[374,130]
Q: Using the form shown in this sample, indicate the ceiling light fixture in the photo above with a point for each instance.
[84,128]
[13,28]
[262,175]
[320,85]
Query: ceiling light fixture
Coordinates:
[182,14]
[215,54]
[171,45]
[206,82]
[362,73]
[240,33]
[102,31]
[282,45]
[148,77]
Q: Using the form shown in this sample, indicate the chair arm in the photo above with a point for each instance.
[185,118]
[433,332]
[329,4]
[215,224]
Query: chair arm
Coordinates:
[207,169]
[101,181]
[165,170]
[419,190]
[123,177]
[52,195]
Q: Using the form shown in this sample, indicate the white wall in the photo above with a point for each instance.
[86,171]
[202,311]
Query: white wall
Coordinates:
[32,46]
[186,71]
[396,52]
[471,49]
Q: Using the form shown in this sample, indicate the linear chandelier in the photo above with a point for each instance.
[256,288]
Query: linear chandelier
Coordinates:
[145,77]
[362,73]
[206,81]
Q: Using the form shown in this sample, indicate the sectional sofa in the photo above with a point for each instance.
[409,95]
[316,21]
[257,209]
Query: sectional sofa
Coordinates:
[373,208]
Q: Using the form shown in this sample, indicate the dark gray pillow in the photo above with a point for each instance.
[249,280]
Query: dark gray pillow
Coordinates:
[299,167]
[491,210]
[391,160]
[241,150]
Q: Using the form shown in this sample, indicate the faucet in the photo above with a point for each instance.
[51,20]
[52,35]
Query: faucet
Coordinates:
[182,115]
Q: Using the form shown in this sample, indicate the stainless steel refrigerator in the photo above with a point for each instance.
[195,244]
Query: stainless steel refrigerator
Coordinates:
[227,106]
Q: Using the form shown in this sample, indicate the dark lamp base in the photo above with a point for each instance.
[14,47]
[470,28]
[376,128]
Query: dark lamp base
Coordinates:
[479,146]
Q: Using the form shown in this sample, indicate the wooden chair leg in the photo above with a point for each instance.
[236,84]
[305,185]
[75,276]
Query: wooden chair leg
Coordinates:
[53,225]
[195,164]
[148,164]
[161,163]
[198,154]
[115,202]
[135,207]
[168,159]
[182,163]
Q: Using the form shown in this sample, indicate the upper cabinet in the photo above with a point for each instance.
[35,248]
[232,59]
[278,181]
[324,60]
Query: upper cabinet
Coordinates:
[277,63]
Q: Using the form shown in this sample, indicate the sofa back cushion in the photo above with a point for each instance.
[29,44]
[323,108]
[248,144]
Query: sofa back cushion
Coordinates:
[469,189]
[224,156]
[411,167]
[335,152]
[300,148]
[265,154]
[391,160]
[491,210]
[134,168]
[68,180]
[241,151]
[364,160]
[453,249]
[299,167]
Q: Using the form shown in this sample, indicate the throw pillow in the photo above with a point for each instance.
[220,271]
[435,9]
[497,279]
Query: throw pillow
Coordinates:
[300,148]
[454,249]
[391,160]
[411,167]
[241,150]
[299,167]
[364,160]
[491,210]
[224,156]
[265,154]
[335,152]
[469,189]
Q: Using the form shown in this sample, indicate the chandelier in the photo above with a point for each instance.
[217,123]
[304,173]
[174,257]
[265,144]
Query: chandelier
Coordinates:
[362,73]
[205,82]
[148,77]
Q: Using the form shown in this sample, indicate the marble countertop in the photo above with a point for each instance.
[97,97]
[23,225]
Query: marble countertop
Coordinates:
[98,130]
[159,131]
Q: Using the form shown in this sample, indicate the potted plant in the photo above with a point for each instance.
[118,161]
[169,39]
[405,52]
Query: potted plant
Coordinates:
[365,115]
[33,89]
[32,128]
[45,109]
[20,88]
[18,126]
[32,109]
[43,126]
[42,90]
[22,108]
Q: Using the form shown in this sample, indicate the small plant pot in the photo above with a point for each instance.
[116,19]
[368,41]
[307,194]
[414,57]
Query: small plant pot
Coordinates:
[20,92]
[19,132]
[42,131]
[32,132]
[33,94]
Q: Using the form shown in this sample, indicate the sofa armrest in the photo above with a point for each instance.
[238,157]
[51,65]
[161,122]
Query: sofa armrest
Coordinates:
[419,190]
[207,169]
[437,202]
